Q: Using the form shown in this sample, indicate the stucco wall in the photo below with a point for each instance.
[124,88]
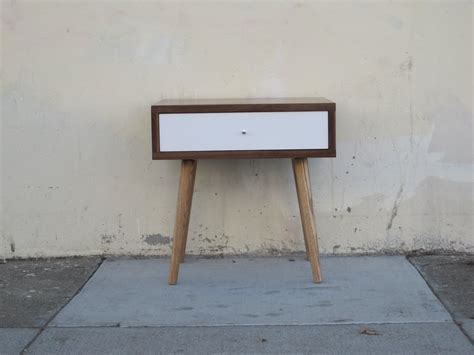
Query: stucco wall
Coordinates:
[78,79]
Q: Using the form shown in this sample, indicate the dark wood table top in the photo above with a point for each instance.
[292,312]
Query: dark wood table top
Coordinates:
[236,105]
[255,101]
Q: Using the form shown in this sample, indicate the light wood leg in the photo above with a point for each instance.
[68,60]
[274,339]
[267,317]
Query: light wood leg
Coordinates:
[189,200]
[305,201]
[310,192]
[183,212]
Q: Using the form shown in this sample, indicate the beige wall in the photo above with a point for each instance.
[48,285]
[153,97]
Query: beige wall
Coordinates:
[78,79]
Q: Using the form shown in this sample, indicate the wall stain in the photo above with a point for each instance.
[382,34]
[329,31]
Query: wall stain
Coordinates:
[108,238]
[156,239]
[395,208]
[120,226]
[406,65]
[217,244]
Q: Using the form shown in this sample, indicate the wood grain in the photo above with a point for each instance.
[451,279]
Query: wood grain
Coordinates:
[305,201]
[183,213]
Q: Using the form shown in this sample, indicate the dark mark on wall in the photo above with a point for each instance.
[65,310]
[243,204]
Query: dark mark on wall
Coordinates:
[395,208]
[272,251]
[12,247]
[349,209]
[156,239]
[406,65]
[120,226]
[108,238]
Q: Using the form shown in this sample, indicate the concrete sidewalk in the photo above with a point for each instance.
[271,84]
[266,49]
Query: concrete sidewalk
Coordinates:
[239,305]
[452,279]
[33,291]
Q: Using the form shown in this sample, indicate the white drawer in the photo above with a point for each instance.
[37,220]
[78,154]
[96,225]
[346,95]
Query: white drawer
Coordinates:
[185,132]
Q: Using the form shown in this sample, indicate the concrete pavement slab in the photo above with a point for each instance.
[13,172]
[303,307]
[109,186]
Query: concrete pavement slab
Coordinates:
[467,326]
[32,291]
[14,340]
[421,338]
[259,291]
[452,279]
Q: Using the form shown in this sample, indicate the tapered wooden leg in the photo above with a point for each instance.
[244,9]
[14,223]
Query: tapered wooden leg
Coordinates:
[183,212]
[305,201]
[189,196]
[310,192]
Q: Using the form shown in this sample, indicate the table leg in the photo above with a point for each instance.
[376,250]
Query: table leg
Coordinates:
[183,212]
[305,201]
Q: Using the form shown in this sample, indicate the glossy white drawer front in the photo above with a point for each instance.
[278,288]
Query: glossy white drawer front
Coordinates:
[243,131]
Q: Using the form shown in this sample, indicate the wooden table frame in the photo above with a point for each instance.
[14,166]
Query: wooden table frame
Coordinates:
[183,214]
[189,164]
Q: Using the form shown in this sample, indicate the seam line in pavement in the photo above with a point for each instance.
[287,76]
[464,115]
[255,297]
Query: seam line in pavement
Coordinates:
[45,325]
[440,300]
[246,325]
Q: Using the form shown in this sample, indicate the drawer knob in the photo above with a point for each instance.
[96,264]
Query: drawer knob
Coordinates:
[244,131]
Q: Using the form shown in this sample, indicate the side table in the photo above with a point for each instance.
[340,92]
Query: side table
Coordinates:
[296,128]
